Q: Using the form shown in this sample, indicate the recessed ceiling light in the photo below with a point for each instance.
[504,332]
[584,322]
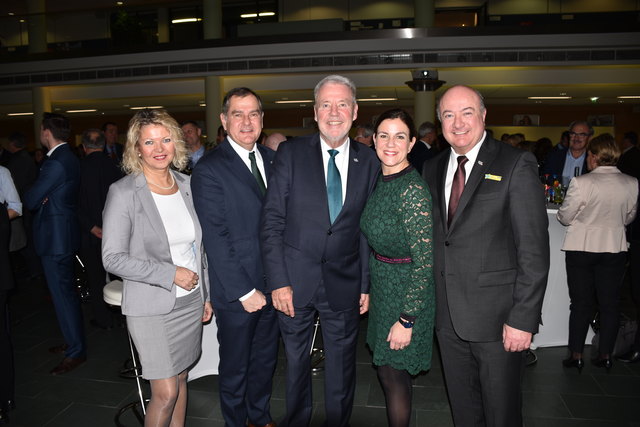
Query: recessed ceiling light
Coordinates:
[119,3]
[91,110]
[10,13]
[150,107]
[549,97]
[249,15]
[20,114]
[266,14]
[629,97]
[183,20]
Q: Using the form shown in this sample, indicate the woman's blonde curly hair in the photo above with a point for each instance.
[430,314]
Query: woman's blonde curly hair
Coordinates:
[131,162]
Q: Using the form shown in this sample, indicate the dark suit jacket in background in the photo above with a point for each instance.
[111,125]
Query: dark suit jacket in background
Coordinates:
[97,173]
[491,265]
[228,202]
[54,198]
[554,164]
[301,248]
[629,162]
[119,151]
[23,170]
[419,154]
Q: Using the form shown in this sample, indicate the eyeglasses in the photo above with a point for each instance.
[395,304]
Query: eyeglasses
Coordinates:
[581,134]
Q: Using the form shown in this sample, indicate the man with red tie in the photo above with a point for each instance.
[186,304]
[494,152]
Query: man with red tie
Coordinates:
[491,262]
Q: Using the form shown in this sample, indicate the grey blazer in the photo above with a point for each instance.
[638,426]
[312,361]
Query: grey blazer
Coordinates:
[135,246]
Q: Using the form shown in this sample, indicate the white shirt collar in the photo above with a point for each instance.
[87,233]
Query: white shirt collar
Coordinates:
[50,152]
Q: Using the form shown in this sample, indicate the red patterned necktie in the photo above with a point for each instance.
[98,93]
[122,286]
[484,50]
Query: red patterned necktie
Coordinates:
[456,188]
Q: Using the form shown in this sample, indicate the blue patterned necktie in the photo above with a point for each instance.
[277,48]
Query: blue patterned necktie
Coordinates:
[334,186]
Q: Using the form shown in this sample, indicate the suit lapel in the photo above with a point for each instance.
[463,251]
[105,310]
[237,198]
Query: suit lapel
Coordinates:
[238,168]
[267,160]
[315,168]
[149,206]
[486,155]
[185,192]
[441,174]
[354,173]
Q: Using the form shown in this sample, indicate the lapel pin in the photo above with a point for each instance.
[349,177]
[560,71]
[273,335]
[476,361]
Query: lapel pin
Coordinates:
[355,159]
[480,162]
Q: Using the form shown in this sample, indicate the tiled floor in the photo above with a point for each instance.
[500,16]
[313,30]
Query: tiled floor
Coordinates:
[91,395]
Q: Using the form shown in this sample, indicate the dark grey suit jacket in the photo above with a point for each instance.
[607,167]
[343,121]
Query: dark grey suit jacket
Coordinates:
[491,264]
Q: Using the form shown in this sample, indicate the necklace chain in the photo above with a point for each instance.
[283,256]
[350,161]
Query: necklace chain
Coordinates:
[173,182]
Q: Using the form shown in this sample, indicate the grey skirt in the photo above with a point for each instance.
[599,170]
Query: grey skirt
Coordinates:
[169,343]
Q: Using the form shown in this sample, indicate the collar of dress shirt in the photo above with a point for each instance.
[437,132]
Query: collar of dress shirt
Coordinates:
[50,152]
[244,153]
[342,149]
[426,144]
[472,155]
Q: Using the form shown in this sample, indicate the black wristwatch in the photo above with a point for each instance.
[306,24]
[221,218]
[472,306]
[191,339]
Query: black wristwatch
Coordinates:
[407,324]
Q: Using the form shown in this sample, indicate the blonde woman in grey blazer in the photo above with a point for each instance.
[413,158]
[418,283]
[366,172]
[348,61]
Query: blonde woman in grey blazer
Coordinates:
[596,209]
[152,239]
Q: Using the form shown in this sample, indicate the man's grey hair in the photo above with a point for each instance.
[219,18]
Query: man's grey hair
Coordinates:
[367,129]
[482,107]
[425,129]
[93,139]
[581,122]
[336,79]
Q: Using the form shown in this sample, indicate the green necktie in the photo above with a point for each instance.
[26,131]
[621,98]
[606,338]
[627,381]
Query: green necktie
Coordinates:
[334,186]
[256,173]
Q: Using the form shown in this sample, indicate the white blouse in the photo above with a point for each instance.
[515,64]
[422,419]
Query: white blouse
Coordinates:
[181,233]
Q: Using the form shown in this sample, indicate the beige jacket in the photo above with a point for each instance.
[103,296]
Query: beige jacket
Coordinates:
[596,208]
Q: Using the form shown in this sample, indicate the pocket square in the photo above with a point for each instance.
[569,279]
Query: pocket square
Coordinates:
[492,177]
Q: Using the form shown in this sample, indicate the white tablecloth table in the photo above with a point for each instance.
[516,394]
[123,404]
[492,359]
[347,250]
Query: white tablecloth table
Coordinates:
[554,330]
[208,363]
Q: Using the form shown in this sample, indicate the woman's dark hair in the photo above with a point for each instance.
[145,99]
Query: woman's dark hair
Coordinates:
[397,113]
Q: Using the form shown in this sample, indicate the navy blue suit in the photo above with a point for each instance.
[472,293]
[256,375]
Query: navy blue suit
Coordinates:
[325,264]
[54,200]
[228,203]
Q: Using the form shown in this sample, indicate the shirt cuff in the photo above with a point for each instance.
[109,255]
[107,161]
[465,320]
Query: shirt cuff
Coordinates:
[246,296]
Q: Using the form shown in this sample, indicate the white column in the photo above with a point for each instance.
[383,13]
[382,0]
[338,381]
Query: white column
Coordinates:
[424,107]
[212,11]
[163,25]
[213,94]
[424,13]
[41,102]
[37,26]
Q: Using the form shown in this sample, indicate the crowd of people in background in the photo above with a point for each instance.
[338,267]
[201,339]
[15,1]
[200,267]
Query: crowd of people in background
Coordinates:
[271,232]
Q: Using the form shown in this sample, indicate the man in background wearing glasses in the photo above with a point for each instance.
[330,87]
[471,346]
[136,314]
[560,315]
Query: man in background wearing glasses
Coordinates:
[571,162]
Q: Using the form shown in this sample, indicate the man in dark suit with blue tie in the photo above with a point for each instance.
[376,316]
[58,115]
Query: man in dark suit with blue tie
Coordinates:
[315,256]
[54,199]
[491,262]
[228,187]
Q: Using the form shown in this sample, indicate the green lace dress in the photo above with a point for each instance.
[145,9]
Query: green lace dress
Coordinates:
[397,222]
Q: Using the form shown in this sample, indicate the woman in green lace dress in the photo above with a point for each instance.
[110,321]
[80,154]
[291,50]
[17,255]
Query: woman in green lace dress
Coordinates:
[397,223]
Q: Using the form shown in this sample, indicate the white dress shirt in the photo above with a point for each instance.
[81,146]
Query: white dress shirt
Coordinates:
[472,155]
[244,155]
[342,162]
